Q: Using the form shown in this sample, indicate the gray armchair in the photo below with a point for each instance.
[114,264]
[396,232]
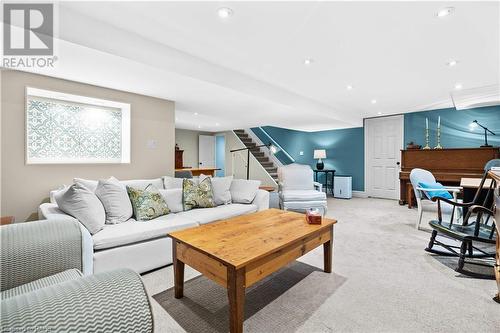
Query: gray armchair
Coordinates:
[43,289]
[298,191]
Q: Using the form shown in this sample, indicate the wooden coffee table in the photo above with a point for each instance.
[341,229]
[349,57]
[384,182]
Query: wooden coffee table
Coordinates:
[238,252]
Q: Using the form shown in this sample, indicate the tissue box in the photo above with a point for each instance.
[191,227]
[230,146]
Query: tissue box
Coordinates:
[313,216]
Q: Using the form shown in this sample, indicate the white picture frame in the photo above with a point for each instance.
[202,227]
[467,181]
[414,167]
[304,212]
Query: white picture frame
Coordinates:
[88,102]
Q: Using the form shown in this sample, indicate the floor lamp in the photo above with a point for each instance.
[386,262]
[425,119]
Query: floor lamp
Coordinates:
[486,131]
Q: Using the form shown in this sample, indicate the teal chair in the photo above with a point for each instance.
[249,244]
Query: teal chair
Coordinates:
[43,288]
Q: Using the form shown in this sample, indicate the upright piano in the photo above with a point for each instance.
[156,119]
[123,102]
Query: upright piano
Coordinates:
[448,166]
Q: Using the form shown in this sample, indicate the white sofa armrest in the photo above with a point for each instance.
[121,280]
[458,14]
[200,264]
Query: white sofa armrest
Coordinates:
[261,200]
[318,186]
[50,211]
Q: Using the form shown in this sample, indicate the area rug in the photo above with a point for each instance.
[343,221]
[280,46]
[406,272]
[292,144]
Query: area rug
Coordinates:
[281,302]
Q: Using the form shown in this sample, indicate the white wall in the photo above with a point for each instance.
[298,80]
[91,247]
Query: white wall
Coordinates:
[188,141]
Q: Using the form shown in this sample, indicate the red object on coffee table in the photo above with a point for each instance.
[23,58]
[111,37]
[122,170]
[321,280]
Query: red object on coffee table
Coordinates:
[313,217]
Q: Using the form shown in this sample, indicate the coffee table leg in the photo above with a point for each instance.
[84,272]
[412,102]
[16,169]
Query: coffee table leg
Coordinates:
[178,272]
[236,294]
[327,254]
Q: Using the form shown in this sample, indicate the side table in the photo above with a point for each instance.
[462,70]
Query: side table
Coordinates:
[328,185]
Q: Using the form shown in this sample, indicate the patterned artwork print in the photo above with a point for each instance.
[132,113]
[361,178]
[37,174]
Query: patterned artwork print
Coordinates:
[59,131]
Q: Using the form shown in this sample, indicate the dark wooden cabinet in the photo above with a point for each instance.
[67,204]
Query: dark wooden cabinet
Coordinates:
[179,164]
[448,166]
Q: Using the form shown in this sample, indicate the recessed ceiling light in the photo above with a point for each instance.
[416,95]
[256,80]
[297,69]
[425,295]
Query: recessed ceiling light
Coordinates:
[349,87]
[196,113]
[458,86]
[379,113]
[445,11]
[199,126]
[217,124]
[176,118]
[452,62]
[374,101]
[224,12]
[308,61]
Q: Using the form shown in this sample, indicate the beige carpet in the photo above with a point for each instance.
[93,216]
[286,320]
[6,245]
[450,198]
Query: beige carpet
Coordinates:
[383,281]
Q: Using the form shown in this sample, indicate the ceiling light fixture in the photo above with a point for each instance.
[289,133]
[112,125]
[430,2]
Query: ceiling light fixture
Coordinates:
[196,113]
[374,101]
[349,87]
[199,126]
[379,113]
[445,11]
[452,62]
[458,86]
[224,12]
[217,124]
[308,61]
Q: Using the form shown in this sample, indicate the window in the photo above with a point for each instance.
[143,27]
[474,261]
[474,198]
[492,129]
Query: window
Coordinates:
[64,128]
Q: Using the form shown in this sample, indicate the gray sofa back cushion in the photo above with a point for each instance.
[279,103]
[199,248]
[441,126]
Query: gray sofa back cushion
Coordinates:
[79,202]
[115,200]
[88,183]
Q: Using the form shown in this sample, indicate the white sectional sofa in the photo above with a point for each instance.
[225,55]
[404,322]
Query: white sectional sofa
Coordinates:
[144,245]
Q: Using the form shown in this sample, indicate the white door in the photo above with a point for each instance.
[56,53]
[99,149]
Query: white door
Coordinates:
[383,144]
[206,151]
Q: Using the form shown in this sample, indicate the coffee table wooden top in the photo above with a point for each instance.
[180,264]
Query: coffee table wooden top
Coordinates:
[244,239]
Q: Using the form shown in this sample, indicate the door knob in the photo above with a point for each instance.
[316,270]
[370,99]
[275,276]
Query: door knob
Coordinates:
[398,163]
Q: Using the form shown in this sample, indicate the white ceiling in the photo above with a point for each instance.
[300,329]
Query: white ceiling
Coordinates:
[248,70]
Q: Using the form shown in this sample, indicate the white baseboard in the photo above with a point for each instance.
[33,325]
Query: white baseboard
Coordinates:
[359,194]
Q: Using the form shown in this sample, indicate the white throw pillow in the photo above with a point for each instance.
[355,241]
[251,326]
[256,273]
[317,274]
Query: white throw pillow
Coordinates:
[114,198]
[90,184]
[244,191]
[81,203]
[220,189]
[172,182]
[173,198]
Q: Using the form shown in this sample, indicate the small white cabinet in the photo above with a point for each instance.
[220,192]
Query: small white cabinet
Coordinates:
[343,187]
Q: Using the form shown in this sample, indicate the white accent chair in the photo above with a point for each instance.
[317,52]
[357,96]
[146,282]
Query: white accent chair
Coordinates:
[423,203]
[298,191]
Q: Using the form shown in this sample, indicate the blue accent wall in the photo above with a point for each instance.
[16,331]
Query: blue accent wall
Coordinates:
[220,155]
[455,130]
[344,149]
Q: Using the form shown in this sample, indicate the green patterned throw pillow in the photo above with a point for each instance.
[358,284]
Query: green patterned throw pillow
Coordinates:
[197,195]
[148,203]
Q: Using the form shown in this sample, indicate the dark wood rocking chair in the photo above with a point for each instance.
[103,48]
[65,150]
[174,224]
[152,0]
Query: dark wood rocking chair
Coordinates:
[480,230]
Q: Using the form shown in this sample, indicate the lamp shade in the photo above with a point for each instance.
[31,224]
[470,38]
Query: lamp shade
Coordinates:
[319,153]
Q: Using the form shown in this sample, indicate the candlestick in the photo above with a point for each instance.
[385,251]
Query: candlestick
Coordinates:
[438,146]
[427,134]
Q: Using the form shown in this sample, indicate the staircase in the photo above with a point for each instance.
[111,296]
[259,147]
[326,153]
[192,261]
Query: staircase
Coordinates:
[266,163]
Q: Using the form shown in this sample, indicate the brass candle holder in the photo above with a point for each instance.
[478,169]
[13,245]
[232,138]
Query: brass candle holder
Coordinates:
[427,139]
[438,146]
